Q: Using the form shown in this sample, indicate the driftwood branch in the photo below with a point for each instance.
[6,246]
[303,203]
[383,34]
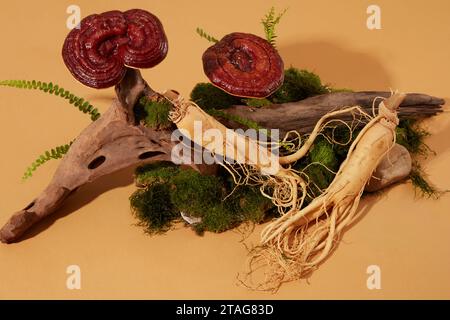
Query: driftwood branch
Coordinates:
[109,144]
[116,141]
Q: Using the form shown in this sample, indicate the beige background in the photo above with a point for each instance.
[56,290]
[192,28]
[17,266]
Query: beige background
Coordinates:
[408,238]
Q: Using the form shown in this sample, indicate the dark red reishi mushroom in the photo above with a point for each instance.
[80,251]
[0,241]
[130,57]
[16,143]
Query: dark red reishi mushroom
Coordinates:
[244,65]
[98,53]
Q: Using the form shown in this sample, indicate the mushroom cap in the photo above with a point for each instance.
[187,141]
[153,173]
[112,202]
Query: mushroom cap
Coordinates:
[244,65]
[98,52]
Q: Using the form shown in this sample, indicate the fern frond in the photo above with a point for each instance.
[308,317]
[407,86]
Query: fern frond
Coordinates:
[269,22]
[203,34]
[56,153]
[50,88]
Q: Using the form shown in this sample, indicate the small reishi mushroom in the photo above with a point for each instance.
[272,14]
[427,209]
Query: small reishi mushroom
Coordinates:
[99,52]
[244,65]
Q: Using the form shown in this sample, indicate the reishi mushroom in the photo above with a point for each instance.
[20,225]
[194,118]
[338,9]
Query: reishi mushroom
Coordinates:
[244,65]
[99,52]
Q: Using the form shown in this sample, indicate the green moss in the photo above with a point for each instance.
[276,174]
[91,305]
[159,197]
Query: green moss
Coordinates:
[298,85]
[421,184]
[208,96]
[250,204]
[155,172]
[217,218]
[412,137]
[157,113]
[154,114]
[193,192]
[333,90]
[196,195]
[319,166]
[243,121]
[153,208]
[257,103]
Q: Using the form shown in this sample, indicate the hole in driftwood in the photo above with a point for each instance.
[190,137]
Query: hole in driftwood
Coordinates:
[29,206]
[155,142]
[97,162]
[149,154]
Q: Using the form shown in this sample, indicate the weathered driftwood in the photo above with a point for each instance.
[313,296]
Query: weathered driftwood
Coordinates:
[109,144]
[303,115]
[116,141]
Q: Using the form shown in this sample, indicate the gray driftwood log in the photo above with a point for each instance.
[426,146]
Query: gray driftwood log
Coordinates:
[115,141]
[303,115]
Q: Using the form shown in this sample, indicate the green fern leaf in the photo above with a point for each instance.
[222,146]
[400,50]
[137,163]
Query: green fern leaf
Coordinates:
[50,88]
[203,34]
[55,153]
[269,22]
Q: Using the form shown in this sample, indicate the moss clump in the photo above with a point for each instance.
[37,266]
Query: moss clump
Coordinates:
[153,208]
[333,90]
[168,190]
[319,166]
[412,137]
[250,204]
[193,192]
[208,96]
[154,173]
[157,114]
[298,85]
[419,182]
[323,162]
[153,113]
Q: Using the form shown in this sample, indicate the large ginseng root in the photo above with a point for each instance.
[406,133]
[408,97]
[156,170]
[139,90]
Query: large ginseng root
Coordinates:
[296,243]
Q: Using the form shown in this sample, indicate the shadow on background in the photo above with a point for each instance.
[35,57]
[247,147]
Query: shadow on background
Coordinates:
[337,66]
[82,197]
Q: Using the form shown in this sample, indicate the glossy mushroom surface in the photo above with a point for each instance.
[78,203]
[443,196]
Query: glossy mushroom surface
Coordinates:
[244,65]
[99,51]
